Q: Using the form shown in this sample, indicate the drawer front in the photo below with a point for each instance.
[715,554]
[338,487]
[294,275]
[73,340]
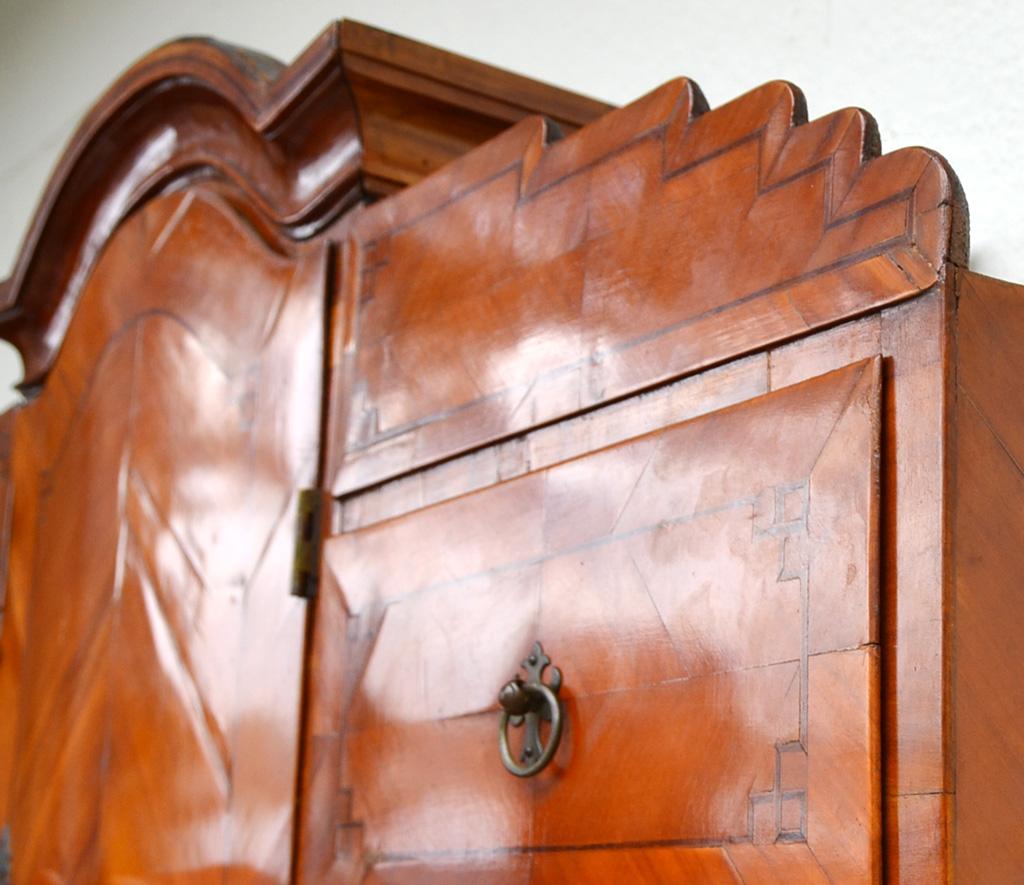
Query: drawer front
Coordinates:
[710,594]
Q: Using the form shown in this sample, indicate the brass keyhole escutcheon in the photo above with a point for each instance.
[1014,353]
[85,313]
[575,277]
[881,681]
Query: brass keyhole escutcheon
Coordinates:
[530,701]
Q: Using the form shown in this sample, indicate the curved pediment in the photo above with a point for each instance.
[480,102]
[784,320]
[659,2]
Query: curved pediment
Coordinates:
[191,108]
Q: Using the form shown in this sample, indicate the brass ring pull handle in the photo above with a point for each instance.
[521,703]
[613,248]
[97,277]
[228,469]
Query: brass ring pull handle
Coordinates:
[531,701]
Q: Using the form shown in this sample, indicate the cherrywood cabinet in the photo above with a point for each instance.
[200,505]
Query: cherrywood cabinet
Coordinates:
[704,401]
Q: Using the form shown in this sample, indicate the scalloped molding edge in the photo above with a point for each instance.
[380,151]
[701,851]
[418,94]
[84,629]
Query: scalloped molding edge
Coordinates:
[286,145]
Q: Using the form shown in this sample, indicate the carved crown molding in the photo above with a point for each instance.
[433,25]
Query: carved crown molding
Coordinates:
[361,113]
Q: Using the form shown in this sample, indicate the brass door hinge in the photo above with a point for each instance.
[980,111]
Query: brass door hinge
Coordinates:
[308,538]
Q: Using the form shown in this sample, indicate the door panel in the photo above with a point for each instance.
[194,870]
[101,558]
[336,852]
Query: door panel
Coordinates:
[158,709]
[709,592]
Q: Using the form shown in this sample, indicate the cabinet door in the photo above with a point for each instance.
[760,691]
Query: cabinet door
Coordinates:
[709,592]
[152,653]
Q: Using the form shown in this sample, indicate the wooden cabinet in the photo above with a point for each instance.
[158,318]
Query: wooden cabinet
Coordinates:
[705,401]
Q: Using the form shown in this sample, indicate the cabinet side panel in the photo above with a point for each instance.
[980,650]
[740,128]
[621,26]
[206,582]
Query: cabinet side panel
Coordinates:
[6,500]
[989,566]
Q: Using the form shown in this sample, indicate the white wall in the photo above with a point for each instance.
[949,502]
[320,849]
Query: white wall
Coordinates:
[943,74]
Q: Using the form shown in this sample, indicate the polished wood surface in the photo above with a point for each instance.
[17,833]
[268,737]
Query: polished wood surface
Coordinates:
[154,732]
[989,670]
[703,399]
[911,338]
[283,147]
[540,272]
[698,576]
[11,615]
[908,338]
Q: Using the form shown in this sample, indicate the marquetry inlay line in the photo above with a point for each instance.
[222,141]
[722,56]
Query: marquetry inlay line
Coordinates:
[781,813]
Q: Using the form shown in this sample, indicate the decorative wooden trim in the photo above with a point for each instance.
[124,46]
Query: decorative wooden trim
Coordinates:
[677,237]
[365,112]
[461,81]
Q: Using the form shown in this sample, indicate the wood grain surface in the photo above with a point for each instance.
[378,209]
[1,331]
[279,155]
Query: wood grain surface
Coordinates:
[155,734]
[359,112]
[713,612]
[702,398]
[524,283]
[989,669]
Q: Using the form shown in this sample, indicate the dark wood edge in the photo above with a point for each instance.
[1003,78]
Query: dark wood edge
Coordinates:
[474,84]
